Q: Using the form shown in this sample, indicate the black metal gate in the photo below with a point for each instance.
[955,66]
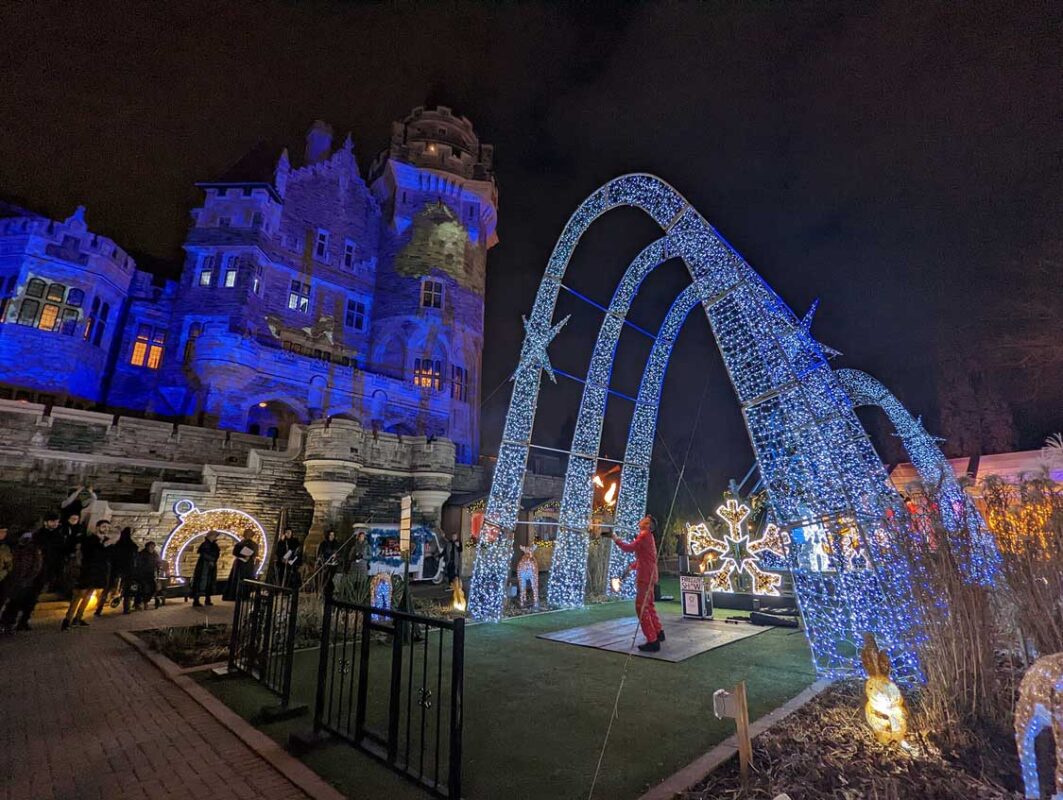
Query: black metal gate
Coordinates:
[263,635]
[391,683]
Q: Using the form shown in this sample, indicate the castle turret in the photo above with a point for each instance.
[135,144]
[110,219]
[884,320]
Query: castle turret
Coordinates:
[318,142]
[437,190]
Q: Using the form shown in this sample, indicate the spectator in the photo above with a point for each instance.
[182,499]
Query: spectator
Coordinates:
[22,585]
[51,539]
[289,558]
[245,557]
[123,555]
[206,573]
[144,567]
[162,580]
[452,553]
[72,529]
[360,553]
[7,562]
[92,578]
[82,501]
[327,560]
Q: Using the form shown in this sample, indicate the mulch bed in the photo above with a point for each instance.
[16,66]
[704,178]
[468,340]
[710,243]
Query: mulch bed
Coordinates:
[191,646]
[825,750]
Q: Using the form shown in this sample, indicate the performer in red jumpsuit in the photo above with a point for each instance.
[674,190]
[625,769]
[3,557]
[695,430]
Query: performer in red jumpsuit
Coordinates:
[645,549]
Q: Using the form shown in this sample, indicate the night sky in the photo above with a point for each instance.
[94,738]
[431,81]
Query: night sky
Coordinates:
[901,162]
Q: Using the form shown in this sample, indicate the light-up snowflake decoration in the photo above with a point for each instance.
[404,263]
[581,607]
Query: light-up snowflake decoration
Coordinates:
[736,552]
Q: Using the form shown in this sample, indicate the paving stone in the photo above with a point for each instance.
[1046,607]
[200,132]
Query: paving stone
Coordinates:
[83,716]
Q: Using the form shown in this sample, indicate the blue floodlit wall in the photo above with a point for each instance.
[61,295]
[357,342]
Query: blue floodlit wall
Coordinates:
[306,291]
[815,458]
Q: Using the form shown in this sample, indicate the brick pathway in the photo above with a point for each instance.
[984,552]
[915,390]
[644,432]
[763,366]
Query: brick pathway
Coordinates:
[84,716]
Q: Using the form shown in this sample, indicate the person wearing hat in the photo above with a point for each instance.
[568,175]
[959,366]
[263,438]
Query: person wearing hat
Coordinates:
[645,549]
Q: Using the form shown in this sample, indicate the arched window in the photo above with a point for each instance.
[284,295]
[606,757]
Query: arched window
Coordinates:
[194,330]
[94,312]
[69,321]
[51,307]
[148,347]
[101,325]
[27,312]
[49,316]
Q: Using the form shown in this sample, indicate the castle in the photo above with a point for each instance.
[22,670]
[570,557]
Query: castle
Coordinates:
[317,360]
[307,292]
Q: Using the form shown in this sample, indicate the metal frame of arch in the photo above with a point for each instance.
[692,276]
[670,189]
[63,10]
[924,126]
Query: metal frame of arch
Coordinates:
[816,461]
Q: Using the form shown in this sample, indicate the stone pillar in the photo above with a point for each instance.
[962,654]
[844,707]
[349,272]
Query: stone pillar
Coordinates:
[331,472]
[428,504]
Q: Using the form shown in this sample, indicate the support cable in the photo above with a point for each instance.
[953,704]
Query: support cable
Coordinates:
[638,616]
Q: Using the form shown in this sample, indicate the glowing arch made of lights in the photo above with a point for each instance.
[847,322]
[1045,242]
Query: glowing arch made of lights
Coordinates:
[956,507]
[193,524]
[815,458]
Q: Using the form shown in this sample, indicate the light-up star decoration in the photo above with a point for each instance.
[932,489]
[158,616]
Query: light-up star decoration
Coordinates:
[737,553]
[533,355]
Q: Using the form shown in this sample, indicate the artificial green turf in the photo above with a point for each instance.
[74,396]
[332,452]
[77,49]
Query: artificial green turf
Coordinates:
[536,711]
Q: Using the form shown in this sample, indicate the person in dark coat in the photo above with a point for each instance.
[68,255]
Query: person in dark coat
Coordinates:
[206,573]
[245,558]
[72,528]
[7,563]
[51,539]
[22,590]
[452,553]
[93,575]
[359,553]
[123,555]
[144,567]
[289,559]
[327,560]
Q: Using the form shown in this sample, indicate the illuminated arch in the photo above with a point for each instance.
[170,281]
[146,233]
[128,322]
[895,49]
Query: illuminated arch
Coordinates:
[193,524]
[957,508]
[814,457]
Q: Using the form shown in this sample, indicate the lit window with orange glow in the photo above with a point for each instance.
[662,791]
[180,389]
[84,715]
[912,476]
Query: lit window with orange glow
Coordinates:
[148,347]
[48,317]
[428,373]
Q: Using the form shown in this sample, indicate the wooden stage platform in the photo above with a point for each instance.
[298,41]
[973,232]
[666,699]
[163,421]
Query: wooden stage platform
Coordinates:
[686,637]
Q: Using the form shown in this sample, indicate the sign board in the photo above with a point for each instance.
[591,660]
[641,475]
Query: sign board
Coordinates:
[696,602]
[405,523]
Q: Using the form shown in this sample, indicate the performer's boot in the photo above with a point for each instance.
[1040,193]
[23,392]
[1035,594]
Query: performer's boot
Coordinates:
[650,647]
[660,636]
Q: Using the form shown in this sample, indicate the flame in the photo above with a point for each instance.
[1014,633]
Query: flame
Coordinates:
[610,496]
[615,585]
[457,592]
[597,481]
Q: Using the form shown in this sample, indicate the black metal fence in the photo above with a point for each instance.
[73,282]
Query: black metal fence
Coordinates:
[391,683]
[263,635]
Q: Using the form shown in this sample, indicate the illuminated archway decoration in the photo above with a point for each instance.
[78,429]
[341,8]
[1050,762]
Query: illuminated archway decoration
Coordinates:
[737,552]
[956,506]
[815,459]
[193,524]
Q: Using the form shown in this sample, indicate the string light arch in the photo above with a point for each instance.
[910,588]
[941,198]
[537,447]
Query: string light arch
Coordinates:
[193,524]
[815,459]
[956,506]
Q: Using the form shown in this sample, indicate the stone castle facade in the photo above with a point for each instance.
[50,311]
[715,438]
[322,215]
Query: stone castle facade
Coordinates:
[308,292]
[317,360]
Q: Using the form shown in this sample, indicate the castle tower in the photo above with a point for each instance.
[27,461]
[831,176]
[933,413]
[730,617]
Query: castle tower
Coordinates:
[439,204]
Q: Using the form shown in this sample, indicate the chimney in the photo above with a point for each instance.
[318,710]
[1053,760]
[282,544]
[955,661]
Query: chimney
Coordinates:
[318,142]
